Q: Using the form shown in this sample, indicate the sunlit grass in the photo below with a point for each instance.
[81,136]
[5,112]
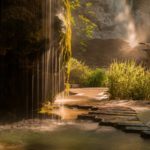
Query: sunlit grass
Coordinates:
[127,80]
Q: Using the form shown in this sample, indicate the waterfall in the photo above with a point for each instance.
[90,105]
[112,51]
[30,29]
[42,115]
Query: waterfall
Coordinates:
[48,68]
[125,19]
[32,65]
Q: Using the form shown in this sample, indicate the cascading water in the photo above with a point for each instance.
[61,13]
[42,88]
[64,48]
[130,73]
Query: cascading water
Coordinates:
[52,76]
[129,19]
[33,68]
[125,18]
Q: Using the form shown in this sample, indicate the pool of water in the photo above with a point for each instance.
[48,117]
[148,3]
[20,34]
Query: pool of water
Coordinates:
[70,136]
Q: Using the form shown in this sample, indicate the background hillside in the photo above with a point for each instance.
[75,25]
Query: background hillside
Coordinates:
[117,31]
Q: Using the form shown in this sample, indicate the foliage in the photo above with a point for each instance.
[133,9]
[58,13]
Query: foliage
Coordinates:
[85,76]
[83,24]
[88,26]
[97,78]
[79,72]
[75,4]
[126,80]
[66,41]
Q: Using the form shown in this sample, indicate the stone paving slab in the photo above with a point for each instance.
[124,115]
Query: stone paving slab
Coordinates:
[120,124]
[136,129]
[117,119]
[122,118]
[112,113]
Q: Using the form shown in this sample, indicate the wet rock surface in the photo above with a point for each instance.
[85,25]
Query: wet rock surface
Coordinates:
[123,118]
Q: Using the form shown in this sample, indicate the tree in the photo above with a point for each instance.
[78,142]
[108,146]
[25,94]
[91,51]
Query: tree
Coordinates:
[82,19]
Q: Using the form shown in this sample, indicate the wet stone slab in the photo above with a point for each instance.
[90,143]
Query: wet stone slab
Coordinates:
[122,125]
[136,129]
[122,118]
[113,113]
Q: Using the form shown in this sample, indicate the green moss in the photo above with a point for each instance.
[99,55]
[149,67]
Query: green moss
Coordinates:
[66,39]
[66,48]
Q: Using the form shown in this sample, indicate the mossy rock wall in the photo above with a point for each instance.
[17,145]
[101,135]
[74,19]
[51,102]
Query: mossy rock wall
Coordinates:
[27,36]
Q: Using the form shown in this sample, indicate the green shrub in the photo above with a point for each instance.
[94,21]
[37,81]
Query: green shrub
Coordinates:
[126,80]
[79,72]
[97,78]
[85,76]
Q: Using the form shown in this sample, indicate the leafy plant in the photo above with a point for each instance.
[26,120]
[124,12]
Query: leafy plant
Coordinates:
[88,26]
[97,78]
[127,80]
[75,4]
[79,72]
[85,76]
[82,21]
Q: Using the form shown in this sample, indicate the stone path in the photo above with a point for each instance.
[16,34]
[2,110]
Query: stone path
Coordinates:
[121,114]
[123,118]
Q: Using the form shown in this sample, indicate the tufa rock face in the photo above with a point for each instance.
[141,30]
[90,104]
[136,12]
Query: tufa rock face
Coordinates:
[31,52]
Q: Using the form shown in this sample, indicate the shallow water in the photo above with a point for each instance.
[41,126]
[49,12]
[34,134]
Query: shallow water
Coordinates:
[71,136]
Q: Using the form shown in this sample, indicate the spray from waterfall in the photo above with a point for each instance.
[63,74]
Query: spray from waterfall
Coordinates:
[125,18]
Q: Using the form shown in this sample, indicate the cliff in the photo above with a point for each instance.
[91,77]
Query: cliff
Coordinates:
[34,48]
[121,23]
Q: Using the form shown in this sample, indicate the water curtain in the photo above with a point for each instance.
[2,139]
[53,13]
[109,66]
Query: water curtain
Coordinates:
[34,52]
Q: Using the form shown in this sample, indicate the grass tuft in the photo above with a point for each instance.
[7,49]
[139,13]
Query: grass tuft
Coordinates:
[127,80]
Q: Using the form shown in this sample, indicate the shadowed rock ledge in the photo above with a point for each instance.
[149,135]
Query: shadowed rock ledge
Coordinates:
[32,51]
